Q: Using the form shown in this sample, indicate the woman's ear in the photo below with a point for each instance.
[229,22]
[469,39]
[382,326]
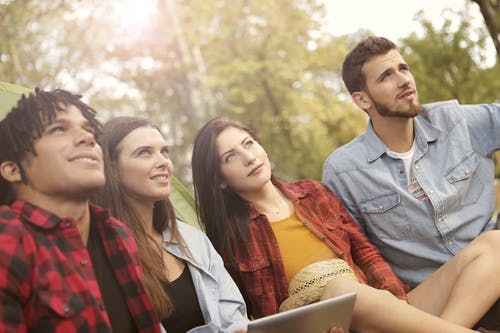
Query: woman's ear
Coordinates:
[361,99]
[10,171]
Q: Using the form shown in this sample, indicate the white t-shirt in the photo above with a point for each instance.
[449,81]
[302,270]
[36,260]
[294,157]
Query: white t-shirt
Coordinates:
[413,185]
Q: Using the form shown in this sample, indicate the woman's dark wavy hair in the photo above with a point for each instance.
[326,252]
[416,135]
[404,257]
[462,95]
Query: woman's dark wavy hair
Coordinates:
[114,197]
[26,122]
[223,214]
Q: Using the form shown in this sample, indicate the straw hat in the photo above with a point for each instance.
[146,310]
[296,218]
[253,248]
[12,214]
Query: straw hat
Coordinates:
[307,285]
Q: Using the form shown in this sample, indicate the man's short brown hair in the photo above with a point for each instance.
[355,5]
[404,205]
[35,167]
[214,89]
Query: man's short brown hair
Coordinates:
[369,47]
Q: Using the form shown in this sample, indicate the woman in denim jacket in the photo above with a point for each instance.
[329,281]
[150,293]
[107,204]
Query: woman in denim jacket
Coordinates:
[183,274]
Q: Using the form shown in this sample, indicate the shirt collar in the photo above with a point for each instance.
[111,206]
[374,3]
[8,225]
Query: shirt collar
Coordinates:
[376,147]
[424,132]
[44,219]
[293,193]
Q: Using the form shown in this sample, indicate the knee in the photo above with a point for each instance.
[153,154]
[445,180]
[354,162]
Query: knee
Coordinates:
[340,286]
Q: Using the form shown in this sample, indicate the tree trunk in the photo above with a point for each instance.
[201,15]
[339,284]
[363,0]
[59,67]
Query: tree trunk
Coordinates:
[490,9]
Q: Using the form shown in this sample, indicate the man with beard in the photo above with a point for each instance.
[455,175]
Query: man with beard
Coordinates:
[420,179]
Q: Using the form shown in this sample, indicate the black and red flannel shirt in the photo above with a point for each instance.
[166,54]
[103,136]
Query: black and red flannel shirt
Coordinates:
[260,273]
[47,283]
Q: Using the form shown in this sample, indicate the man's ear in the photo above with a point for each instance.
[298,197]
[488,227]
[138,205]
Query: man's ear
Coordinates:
[10,171]
[361,99]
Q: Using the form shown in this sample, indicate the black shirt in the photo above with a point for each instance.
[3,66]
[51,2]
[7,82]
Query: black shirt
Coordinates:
[114,301]
[187,313]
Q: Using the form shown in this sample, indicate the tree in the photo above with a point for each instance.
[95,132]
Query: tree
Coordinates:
[448,62]
[266,62]
[263,62]
[490,9]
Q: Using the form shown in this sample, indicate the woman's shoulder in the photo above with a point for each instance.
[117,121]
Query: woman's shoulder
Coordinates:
[191,235]
[199,246]
[186,227]
[301,185]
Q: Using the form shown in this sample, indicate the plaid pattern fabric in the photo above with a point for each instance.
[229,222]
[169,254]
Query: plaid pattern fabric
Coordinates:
[260,274]
[47,283]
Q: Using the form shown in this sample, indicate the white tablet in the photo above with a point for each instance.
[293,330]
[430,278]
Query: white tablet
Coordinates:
[312,318]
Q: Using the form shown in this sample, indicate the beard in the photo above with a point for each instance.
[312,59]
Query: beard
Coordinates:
[413,109]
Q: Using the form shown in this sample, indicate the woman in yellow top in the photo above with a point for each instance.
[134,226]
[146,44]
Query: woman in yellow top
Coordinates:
[241,206]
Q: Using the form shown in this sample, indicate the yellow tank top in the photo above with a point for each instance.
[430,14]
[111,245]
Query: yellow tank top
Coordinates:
[298,245]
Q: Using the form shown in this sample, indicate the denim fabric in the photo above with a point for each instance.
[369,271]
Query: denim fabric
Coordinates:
[220,300]
[453,165]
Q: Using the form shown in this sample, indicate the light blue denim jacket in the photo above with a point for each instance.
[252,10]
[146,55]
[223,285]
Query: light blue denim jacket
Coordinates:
[221,302]
[453,165]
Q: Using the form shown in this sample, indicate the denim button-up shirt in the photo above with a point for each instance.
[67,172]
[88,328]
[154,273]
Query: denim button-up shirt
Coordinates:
[221,302]
[453,165]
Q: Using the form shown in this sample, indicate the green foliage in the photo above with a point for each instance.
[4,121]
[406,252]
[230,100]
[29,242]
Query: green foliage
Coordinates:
[266,62]
[183,201]
[263,62]
[9,95]
[448,63]
[269,66]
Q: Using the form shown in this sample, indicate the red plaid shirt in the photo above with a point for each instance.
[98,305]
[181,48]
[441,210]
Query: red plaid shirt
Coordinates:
[260,273]
[47,283]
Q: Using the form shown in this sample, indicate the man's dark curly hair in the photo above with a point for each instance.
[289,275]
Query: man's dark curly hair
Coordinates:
[26,122]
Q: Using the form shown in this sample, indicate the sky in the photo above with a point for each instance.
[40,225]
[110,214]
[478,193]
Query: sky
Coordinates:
[394,19]
[391,18]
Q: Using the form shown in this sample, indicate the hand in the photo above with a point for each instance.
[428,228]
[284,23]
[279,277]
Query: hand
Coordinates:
[242,330]
[335,329]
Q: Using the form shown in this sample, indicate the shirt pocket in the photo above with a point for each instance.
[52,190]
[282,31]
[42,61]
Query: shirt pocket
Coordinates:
[465,180]
[386,217]
[63,304]
[381,203]
[256,274]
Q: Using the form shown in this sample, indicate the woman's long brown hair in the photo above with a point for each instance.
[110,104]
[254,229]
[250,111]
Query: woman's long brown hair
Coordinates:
[113,196]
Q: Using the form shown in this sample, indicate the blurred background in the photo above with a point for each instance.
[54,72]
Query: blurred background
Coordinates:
[274,64]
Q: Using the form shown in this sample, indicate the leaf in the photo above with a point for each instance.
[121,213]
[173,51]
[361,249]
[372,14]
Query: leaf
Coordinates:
[9,95]
[183,202]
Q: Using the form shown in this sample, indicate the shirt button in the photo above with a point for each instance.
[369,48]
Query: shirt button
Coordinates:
[68,224]
[417,167]
[402,171]
[380,207]
[440,219]
[450,242]
[83,262]
[431,191]
[466,172]
[66,308]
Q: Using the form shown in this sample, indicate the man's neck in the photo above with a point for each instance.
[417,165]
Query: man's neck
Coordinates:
[396,133]
[78,209]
